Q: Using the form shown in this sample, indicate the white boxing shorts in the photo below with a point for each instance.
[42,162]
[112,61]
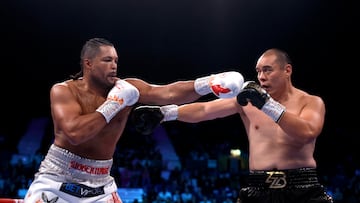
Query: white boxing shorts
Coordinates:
[66,177]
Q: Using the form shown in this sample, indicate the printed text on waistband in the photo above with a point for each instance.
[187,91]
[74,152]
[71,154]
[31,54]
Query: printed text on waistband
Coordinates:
[89,169]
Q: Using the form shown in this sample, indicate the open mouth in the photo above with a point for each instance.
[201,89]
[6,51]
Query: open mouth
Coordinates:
[112,74]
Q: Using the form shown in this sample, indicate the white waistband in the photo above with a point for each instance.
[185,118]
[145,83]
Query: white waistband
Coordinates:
[73,167]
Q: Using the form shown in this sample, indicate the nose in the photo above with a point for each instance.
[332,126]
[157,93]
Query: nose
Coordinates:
[114,65]
[261,76]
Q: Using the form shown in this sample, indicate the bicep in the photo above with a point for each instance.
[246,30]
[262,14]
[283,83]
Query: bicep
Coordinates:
[314,113]
[308,123]
[64,107]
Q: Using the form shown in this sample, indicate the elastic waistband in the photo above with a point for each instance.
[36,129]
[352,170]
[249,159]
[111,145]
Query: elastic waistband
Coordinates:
[276,179]
[70,164]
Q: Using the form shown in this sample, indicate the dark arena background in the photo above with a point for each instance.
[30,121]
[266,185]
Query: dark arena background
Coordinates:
[162,41]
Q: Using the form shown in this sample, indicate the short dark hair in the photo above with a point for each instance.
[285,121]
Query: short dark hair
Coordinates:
[89,50]
[282,55]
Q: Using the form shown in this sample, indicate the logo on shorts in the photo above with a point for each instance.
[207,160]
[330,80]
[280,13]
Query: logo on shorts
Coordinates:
[277,179]
[80,190]
[45,199]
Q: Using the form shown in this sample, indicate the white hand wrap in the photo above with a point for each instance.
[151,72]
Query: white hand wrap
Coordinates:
[202,86]
[223,85]
[273,109]
[170,112]
[121,95]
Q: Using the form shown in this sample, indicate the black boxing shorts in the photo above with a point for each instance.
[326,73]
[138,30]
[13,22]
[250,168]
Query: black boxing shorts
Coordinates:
[284,186]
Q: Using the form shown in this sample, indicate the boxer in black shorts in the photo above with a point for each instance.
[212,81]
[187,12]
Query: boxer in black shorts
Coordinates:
[282,123]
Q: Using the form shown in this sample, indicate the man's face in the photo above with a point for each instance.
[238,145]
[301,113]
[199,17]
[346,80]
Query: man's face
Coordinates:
[103,67]
[269,72]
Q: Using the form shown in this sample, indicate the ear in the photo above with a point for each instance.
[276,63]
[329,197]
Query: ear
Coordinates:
[87,65]
[288,69]
[87,62]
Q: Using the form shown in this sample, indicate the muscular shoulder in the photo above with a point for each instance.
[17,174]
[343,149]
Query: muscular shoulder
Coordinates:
[63,88]
[309,99]
[59,86]
[307,96]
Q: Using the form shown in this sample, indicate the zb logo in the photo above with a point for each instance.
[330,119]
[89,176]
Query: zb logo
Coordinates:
[277,179]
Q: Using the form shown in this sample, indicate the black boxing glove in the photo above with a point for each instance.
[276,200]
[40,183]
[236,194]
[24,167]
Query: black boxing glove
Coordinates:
[257,96]
[147,118]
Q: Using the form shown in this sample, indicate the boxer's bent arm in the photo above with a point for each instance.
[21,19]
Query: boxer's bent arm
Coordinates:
[68,120]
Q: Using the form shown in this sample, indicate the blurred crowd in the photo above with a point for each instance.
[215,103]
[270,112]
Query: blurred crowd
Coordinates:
[207,172]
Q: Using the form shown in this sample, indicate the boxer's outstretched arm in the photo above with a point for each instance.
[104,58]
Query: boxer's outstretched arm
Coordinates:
[147,118]
[223,85]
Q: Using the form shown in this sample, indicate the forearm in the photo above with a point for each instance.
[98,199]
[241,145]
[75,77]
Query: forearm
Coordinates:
[191,113]
[82,128]
[299,128]
[203,111]
[180,92]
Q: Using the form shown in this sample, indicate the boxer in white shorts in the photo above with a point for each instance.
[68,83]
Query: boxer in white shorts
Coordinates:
[66,177]
[90,112]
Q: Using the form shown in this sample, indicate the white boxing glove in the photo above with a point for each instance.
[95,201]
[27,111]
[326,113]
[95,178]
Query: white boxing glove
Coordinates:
[222,85]
[121,95]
